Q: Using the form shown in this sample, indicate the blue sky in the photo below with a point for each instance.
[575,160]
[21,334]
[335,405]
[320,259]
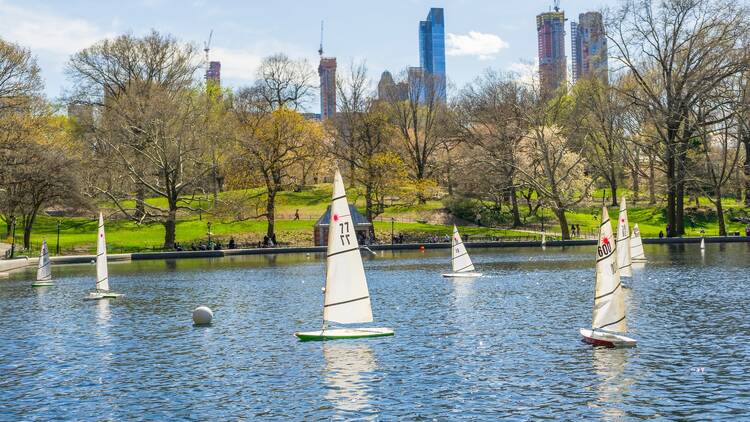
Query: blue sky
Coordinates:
[480,33]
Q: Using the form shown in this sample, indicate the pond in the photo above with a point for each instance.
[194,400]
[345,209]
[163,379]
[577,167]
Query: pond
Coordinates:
[502,346]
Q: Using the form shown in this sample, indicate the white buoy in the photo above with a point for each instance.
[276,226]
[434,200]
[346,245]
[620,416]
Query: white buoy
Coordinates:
[202,315]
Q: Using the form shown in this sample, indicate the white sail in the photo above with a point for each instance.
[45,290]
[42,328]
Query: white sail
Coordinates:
[459,255]
[544,240]
[636,245]
[43,271]
[703,243]
[623,241]
[347,299]
[102,276]
[609,302]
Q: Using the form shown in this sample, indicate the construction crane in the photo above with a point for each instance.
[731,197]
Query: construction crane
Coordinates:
[320,50]
[557,5]
[207,45]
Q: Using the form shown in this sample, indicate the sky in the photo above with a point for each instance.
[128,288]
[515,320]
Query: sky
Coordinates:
[480,34]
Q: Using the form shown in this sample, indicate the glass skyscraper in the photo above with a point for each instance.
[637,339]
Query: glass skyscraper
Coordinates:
[589,47]
[550,28]
[432,49]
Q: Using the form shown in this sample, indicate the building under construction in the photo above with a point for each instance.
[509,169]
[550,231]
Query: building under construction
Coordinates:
[550,27]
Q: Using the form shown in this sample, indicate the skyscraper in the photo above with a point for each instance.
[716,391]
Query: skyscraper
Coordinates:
[213,73]
[589,47]
[432,49]
[327,73]
[550,27]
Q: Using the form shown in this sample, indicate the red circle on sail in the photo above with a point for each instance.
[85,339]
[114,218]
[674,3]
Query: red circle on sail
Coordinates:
[605,240]
[335,217]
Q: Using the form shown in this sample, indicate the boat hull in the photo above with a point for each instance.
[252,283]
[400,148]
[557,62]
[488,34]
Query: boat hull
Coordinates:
[43,283]
[606,339]
[462,275]
[102,295]
[343,333]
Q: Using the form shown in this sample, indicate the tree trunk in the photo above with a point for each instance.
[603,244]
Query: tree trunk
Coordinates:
[671,192]
[270,212]
[680,203]
[613,188]
[651,181]
[170,226]
[514,207]
[636,185]
[564,229]
[368,209]
[27,234]
[720,212]
[746,170]
[140,196]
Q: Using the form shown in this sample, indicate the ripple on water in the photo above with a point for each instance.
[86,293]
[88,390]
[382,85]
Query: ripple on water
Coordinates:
[501,346]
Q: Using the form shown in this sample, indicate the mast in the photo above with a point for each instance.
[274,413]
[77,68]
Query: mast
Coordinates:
[459,255]
[609,302]
[102,274]
[347,299]
[623,241]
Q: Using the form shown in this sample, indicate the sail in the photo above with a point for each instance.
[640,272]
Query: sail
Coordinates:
[609,302]
[102,276]
[347,299]
[43,272]
[636,245]
[623,241]
[459,256]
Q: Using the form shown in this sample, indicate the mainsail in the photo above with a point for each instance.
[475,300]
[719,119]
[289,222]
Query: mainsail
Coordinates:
[347,299]
[459,256]
[636,246]
[609,302]
[102,276]
[623,241]
[43,272]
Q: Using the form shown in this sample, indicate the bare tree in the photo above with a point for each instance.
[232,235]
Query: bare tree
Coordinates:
[20,81]
[419,117]
[677,51]
[150,127]
[491,118]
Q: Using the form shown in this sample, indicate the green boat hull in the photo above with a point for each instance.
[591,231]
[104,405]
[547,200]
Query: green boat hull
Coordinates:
[343,334]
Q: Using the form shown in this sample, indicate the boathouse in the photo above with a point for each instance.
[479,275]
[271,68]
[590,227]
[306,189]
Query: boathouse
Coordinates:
[362,227]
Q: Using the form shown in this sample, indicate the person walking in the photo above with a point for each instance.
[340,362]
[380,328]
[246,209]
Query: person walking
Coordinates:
[296,214]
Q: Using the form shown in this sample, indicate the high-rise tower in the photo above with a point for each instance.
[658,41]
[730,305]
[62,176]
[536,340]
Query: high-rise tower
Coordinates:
[550,27]
[327,73]
[213,73]
[589,47]
[432,49]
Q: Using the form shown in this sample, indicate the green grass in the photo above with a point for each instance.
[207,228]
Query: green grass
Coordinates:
[78,235]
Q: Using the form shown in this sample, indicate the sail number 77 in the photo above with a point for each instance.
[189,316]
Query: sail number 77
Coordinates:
[345,234]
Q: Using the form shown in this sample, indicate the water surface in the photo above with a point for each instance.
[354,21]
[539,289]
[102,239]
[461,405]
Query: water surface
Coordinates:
[502,346]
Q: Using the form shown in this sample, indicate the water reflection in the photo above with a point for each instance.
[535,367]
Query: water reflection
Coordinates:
[347,370]
[613,384]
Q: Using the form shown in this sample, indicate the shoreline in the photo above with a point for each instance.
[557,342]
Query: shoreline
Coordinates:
[20,263]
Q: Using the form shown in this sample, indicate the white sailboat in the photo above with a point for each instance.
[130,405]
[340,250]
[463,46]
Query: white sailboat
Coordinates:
[609,302]
[544,240]
[623,241]
[102,274]
[43,271]
[703,243]
[346,297]
[462,265]
[636,246]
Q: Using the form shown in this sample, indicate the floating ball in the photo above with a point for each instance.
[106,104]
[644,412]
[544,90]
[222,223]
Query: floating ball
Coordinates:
[202,315]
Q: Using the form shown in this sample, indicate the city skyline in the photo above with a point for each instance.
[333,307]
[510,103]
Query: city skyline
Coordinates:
[478,34]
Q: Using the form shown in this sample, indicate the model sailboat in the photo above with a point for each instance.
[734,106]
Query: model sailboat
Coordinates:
[102,274]
[346,297]
[623,241]
[43,271]
[636,246]
[462,265]
[609,301]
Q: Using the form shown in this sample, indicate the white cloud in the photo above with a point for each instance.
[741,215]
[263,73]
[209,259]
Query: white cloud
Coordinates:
[44,32]
[236,64]
[526,72]
[484,46]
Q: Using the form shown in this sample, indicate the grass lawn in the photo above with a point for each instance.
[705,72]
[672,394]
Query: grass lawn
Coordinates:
[78,235]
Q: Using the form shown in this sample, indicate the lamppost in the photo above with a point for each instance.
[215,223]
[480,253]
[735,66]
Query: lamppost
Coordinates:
[57,248]
[392,238]
[13,242]
[209,234]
